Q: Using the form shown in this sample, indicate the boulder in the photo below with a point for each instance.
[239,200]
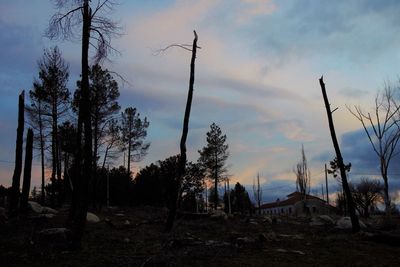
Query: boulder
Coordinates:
[219,214]
[322,220]
[345,223]
[92,218]
[37,208]
[326,219]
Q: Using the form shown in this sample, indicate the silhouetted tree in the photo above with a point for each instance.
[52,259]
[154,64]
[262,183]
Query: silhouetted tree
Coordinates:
[112,139]
[26,185]
[383,131]
[354,220]
[366,193]
[14,194]
[67,133]
[103,97]
[100,29]
[39,123]
[213,157]
[156,184]
[185,130]
[53,78]
[133,135]
[303,175]
[257,190]
[104,94]
[240,200]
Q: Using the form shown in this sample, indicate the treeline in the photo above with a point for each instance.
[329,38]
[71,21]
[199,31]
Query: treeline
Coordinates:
[53,114]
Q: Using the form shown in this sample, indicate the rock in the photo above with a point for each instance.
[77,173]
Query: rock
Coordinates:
[92,218]
[291,251]
[37,208]
[49,210]
[46,215]
[267,220]
[322,220]
[54,231]
[345,223]
[327,219]
[271,236]
[219,214]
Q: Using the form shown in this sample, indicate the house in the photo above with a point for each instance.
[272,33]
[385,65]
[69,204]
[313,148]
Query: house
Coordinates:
[296,204]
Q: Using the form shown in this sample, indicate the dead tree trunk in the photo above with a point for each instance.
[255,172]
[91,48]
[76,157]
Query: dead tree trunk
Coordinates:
[13,209]
[26,185]
[84,171]
[354,219]
[182,158]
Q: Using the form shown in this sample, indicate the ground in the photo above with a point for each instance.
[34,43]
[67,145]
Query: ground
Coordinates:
[136,237]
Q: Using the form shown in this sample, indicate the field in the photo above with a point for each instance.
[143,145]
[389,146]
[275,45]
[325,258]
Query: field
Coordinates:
[136,237]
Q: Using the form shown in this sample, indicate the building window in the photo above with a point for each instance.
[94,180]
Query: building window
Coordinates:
[290,210]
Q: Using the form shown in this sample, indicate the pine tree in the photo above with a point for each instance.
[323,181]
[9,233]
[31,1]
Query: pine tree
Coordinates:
[134,132]
[213,158]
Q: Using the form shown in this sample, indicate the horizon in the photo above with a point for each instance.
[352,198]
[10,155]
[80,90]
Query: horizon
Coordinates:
[256,77]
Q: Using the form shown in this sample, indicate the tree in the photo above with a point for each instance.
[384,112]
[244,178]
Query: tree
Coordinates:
[14,194]
[366,193]
[257,193]
[240,200]
[67,133]
[383,132]
[185,130]
[103,96]
[39,124]
[134,132]
[100,29]
[156,184]
[303,175]
[354,220]
[55,100]
[26,185]
[112,138]
[213,157]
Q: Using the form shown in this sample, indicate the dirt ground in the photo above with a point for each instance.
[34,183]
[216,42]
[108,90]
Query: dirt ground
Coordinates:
[136,237]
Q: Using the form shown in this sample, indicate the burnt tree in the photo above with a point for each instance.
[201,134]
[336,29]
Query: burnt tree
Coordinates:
[26,184]
[14,197]
[354,219]
[185,130]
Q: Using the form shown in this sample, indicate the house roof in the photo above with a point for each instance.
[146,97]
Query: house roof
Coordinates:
[291,200]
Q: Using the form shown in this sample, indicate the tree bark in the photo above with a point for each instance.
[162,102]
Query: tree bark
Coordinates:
[26,185]
[185,130]
[354,219]
[42,195]
[13,209]
[84,174]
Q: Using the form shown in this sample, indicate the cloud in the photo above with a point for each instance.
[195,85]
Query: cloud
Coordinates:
[250,9]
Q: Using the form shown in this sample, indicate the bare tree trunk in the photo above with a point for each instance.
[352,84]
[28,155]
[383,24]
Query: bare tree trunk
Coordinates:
[354,219]
[216,184]
[84,174]
[42,195]
[26,185]
[182,158]
[13,209]
[384,173]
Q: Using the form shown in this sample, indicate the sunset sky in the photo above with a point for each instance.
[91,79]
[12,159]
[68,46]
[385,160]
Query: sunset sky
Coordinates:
[256,77]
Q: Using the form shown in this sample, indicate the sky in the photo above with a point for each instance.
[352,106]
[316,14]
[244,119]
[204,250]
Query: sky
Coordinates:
[256,77]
